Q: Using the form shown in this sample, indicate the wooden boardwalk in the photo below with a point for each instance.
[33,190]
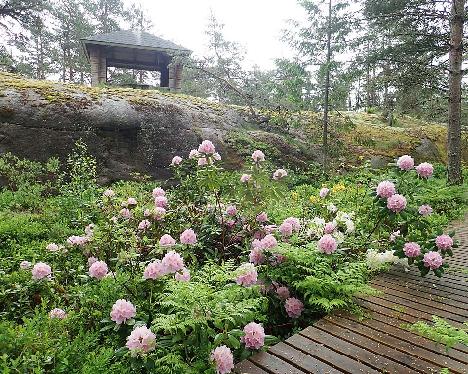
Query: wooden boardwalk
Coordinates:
[343,343]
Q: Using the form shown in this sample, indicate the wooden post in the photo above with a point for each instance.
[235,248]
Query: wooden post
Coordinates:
[178,78]
[164,82]
[98,62]
[172,80]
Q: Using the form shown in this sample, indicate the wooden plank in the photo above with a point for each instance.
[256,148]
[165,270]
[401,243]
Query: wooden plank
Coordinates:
[351,349]
[422,359]
[432,281]
[302,360]
[273,364]
[247,367]
[332,357]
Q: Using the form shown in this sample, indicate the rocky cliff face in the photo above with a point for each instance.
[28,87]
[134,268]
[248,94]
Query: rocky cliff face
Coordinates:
[128,130]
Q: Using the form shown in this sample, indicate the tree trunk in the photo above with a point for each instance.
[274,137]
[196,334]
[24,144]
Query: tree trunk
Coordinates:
[327,92]
[454,175]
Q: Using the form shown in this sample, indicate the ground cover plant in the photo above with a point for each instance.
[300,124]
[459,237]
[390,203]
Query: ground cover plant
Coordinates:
[196,274]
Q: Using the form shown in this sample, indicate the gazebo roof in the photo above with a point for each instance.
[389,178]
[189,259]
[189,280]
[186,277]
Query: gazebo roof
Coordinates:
[134,39]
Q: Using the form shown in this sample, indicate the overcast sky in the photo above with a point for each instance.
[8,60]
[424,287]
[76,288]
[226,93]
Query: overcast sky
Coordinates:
[255,24]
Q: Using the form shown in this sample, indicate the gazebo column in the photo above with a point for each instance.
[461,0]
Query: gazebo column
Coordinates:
[175,77]
[164,80]
[98,62]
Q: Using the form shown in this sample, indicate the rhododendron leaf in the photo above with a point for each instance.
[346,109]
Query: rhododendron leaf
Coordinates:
[106,328]
[234,341]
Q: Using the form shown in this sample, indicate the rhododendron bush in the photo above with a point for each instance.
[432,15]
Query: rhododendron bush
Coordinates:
[192,275]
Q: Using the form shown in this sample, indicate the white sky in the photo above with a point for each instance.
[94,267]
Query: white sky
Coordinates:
[255,24]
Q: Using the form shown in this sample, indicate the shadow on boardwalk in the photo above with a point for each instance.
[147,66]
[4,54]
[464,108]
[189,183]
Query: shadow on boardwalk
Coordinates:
[342,343]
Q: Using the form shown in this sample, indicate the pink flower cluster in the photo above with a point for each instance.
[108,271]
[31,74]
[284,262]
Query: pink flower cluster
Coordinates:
[25,265]
[283,292]
[154,270]
[425,170]
[254,336]
[433,260]
[223,359]
[256,256]
[144,225]
[40,271]
[183,276]
[126,213]
[245,178]
[108,193]
[396,203]
[324,192]
[57,313]
[98,269]
[262,217]
[425,210]
[206,147]
[158,191]
[412,249]
[294,307]
[172,262]
[160,201]
[405,162]
[279,174]
[231,210]
[188,237]
[77,240]
[52,247]
[258,156]
[141,340]
[167,241]
[329,227]
[176,160]
[268,242]
[385,189]
[327,244]
[444,242]
[122,311]
[246,275]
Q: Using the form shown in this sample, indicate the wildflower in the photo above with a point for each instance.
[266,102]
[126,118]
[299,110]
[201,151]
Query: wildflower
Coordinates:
[160,201]
[294,307]
[245,178]
[405,162]
[57,313]
[338,187]
[313,199]
[223,359]
[425,170]
[206,147]
[412,249]
[327,244]
[40,271]
[246,275]
[98,270]
[188,237]
[324,192]
[385,189]
[166,241]
[283,292]
[122,311]
[158,191]
[108,193]
[444,242]
[425,210]
[176,160]
[183,276]
[154,270]
[52,247]
[258,156]
[396,203]
[433,260]
[262,217]
[254,336]
[231,210]
[279,174]
[172,261]
[141,340]
[25,265]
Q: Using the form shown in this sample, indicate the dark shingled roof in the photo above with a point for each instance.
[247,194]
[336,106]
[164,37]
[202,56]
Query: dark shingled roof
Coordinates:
[134,39]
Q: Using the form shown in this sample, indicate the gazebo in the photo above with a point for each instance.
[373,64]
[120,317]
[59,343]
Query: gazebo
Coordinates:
[134,50]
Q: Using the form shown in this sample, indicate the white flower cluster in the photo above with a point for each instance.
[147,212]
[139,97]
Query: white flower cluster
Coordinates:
[377,259]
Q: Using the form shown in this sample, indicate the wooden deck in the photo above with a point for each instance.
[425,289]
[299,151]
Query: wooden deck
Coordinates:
[342,343]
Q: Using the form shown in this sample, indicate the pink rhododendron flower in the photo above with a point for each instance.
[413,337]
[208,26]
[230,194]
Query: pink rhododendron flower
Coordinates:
[246,275]
[122,311]
[396,203]
[154,270]
[144,225]
[286,229]
[131,201]
[324,192]
[294,222]
[176,160]
[279,174]
[405,162]
[91,260]
[258,156]
[223,359]
[108,193]
[231,210]
[394,235]
[444,242]
[412,249]
[57,313]
[256,256]
[262,217]
[188,237]
[294,307]
[98,269]
[166,241]
[202,161]
[52,247]
[245,178]
[425,210]
[327,244]
[329,227]
[173,262]
[269,242]
[256,243]
[160,201]
[433,260]
[126,213]
[283,292]
[158,191]
[25,265]
[277,259]
[193,154]
[385,189]
[89,230]
[141,340]
[206,147]
[425,170]
[183,276]
[159,213]
[147,212]
[77,240]
[254,336]
[41,270]
[216,156]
